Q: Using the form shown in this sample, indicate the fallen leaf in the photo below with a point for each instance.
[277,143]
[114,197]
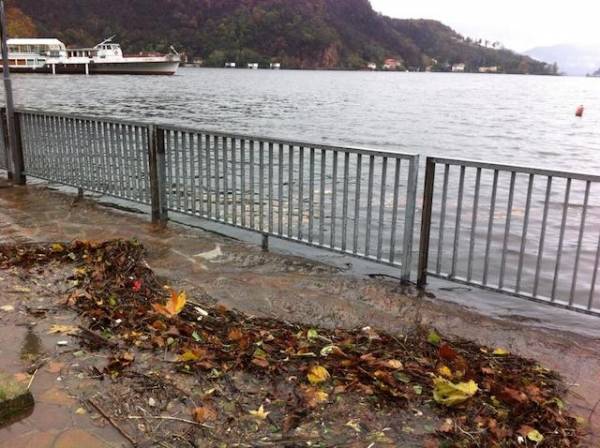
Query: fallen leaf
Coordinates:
[354,425]
[450,394]
[188,356]
[137,285]
[63,329]
[433,337]
[500,352]
[444,371]
[204,414]
[235,334]
[312,334]
[174,305]
[446,426]
[260,413]
[535,436]
[314,396]
[57,247]
[317,374]
[446,352]
[7,308]
[392,364]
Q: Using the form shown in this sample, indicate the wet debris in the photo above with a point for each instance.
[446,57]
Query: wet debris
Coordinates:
[266,382]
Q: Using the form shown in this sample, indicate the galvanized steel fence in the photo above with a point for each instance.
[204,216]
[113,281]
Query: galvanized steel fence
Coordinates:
[523,231]
[350,200]
[528,232]
[355,201]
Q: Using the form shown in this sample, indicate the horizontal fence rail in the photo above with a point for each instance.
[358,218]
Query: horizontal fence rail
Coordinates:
[355,201]
[523,231]
[96,155]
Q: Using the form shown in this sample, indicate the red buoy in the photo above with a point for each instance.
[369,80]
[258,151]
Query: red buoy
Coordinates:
[579,111]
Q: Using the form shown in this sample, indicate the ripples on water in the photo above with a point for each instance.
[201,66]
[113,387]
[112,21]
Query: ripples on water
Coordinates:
[518,119]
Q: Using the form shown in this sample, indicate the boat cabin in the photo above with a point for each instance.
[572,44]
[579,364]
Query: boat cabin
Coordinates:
[33,52]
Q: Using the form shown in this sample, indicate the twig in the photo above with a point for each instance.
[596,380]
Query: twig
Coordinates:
[166,417]
[113,423]
[31,379]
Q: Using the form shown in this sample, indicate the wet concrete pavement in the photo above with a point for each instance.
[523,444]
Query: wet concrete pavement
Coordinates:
[241,276]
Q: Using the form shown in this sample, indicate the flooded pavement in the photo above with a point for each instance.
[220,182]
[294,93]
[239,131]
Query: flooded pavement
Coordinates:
[240,276]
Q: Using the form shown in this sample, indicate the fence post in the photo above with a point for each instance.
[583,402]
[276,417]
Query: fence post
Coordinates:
[409,219]
[5,142]
[18,161]
[426,222]
[157,170]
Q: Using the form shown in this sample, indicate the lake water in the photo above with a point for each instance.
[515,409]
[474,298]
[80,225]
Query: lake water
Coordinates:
[524,120]
[518,119]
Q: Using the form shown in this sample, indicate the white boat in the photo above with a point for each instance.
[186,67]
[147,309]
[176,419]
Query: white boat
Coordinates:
[52,56]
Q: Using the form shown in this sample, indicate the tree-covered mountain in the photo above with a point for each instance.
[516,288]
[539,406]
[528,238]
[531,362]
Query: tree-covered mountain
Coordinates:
[297,33]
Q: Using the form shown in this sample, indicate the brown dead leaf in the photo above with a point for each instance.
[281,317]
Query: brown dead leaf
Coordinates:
[204,414]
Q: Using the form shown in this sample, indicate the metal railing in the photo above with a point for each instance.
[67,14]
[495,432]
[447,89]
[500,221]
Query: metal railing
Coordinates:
[350,200]
[355,201]
[101,156]
[523,231]
[4,153]
[528,232]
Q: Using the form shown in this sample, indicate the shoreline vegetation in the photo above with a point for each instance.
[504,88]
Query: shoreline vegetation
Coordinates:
[303,34]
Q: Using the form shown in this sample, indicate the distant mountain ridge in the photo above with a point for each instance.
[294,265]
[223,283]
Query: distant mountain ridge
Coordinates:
[572,59]
[298,33]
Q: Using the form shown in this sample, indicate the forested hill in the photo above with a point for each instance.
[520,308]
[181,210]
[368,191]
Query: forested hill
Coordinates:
[297,33]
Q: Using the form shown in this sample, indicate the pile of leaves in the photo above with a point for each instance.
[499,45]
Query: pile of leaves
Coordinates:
[483,396]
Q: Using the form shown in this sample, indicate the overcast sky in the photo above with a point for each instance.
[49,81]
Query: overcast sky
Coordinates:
[518,24]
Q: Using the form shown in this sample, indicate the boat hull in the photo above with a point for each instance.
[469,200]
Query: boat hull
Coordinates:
[164,68]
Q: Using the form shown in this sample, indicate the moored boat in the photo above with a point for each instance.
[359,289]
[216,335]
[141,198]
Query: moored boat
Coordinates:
[52,56]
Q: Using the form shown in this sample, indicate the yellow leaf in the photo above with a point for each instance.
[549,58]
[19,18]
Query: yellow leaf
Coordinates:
[445,371]
[188,356]
[260,413]
[501,352]
[174,305]
[450,394]
[314,396]
[204,414]
[317,374]
[65,329]
[57,247]
[535,436]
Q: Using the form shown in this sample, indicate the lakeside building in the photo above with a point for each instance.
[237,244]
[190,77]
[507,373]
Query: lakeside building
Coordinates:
[230,65]
[253,66]
[275,65]
[372,66]
[491,69]
[458,68]
[392,64]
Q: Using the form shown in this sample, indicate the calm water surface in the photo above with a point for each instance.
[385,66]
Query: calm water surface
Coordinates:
[517,119]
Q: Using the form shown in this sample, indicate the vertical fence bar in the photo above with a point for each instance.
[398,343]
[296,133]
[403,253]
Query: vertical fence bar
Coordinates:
[524,233]
[333,199]
[561,238]
[594,277]
[322,199]
[542,236]
[381,208]
[369,205]
[345,201]
[409,217]
[426,222]
[586,199]
[473,225]
[301,193]
[396,193]
[357,203]
[311,195]
[157,174]
[290,198]
[280,166]
[459,202]
[5,142]
[488,242]
[440,251]
[509,207]
[18,161]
